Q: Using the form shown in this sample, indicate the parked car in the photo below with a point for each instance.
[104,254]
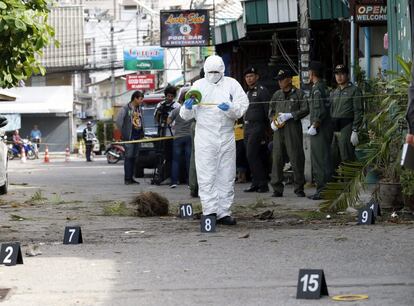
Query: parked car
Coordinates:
[4,178]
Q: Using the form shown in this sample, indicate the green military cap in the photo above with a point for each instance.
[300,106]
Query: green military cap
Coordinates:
[315,66]
[341,69]
[283,74]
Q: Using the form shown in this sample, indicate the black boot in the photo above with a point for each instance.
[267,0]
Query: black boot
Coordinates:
[227,220]
[252,188]
[277,194]
[263,189]
[300,194]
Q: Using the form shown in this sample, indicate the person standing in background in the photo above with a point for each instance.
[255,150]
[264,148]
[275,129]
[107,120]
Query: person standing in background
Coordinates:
[36,138]
[347,113]
[88,135]
[320,131]
[255,125]
[287,108]
[181,144]
[129,121]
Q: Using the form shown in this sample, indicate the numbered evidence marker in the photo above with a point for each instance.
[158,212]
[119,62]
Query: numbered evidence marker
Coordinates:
[73,235]
[311,284]
[186,210]
[375,207]
[11,254]
[208,224]
[366,216]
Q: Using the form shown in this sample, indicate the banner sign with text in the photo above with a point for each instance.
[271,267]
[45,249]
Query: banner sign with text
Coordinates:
[370,12]
[144,58]
[185,28]
[140,81]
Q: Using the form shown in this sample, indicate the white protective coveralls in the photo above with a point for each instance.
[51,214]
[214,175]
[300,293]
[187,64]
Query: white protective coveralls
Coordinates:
[215,146]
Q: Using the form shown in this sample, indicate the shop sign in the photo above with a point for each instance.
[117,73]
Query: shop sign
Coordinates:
[370,12]
[144,58]
[184,28]
[140,81]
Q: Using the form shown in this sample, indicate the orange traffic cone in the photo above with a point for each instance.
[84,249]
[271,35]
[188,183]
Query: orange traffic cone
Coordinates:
[67,154]
[23,155]
[46,160]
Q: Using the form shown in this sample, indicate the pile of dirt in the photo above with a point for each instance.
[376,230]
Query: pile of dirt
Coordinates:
[151,204]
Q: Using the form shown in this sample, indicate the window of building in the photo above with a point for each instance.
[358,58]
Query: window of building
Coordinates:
[104,52]
[130,7]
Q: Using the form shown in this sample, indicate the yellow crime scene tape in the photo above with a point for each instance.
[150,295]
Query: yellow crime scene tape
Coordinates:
[146,140]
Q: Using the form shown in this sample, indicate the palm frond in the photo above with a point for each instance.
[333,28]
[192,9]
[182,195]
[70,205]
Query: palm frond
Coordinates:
[345,192]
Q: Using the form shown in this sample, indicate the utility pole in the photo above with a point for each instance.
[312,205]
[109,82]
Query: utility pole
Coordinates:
[304,42]
[183,62]
[112,57]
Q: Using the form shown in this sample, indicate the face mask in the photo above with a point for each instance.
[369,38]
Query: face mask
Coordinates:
[213,77]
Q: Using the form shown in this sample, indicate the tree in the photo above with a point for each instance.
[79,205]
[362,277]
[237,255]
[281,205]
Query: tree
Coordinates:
[24,33]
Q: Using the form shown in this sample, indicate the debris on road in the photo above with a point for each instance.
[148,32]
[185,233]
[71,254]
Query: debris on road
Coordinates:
[32,250]
[266,215]
[246,235]
[151,204]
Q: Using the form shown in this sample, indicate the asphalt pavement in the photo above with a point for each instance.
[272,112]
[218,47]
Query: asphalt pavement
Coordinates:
[126,260]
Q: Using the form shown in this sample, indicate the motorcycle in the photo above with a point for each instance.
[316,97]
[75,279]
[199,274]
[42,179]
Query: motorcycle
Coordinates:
[114,153]
[29,149]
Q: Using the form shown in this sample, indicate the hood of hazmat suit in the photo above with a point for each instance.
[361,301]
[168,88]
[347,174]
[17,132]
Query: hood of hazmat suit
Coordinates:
[214,69]
[215,148]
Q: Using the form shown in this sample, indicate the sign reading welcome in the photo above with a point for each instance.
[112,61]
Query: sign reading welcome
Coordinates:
[370,12]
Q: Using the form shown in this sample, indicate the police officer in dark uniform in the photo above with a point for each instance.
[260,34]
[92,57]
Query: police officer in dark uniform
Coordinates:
[255,125]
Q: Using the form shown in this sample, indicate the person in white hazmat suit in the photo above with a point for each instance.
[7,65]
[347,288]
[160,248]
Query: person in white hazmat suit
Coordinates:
[215,147]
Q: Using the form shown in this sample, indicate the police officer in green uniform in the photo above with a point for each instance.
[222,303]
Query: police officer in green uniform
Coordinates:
[346,112]
[255,126]
[320,131]
[287,108]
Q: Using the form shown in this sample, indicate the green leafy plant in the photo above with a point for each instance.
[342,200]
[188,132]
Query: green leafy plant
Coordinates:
[57,199]
[37,197]
[117,208]
[24,33]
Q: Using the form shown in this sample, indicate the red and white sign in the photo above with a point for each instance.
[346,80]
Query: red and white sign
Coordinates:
[140,81]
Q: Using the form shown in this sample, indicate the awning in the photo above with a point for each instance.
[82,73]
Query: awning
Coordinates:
[283,11]
[39,100]
[229,32]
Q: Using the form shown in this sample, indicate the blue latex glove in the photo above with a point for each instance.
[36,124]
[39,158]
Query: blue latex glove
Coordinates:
[224,106]
[188,104]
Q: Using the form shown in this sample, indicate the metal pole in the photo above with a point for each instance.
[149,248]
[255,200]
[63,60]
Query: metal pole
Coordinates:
[367,51]
[352,60]
[214,25]
[113,62]
[303,43]
[112,66]
[184,68]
